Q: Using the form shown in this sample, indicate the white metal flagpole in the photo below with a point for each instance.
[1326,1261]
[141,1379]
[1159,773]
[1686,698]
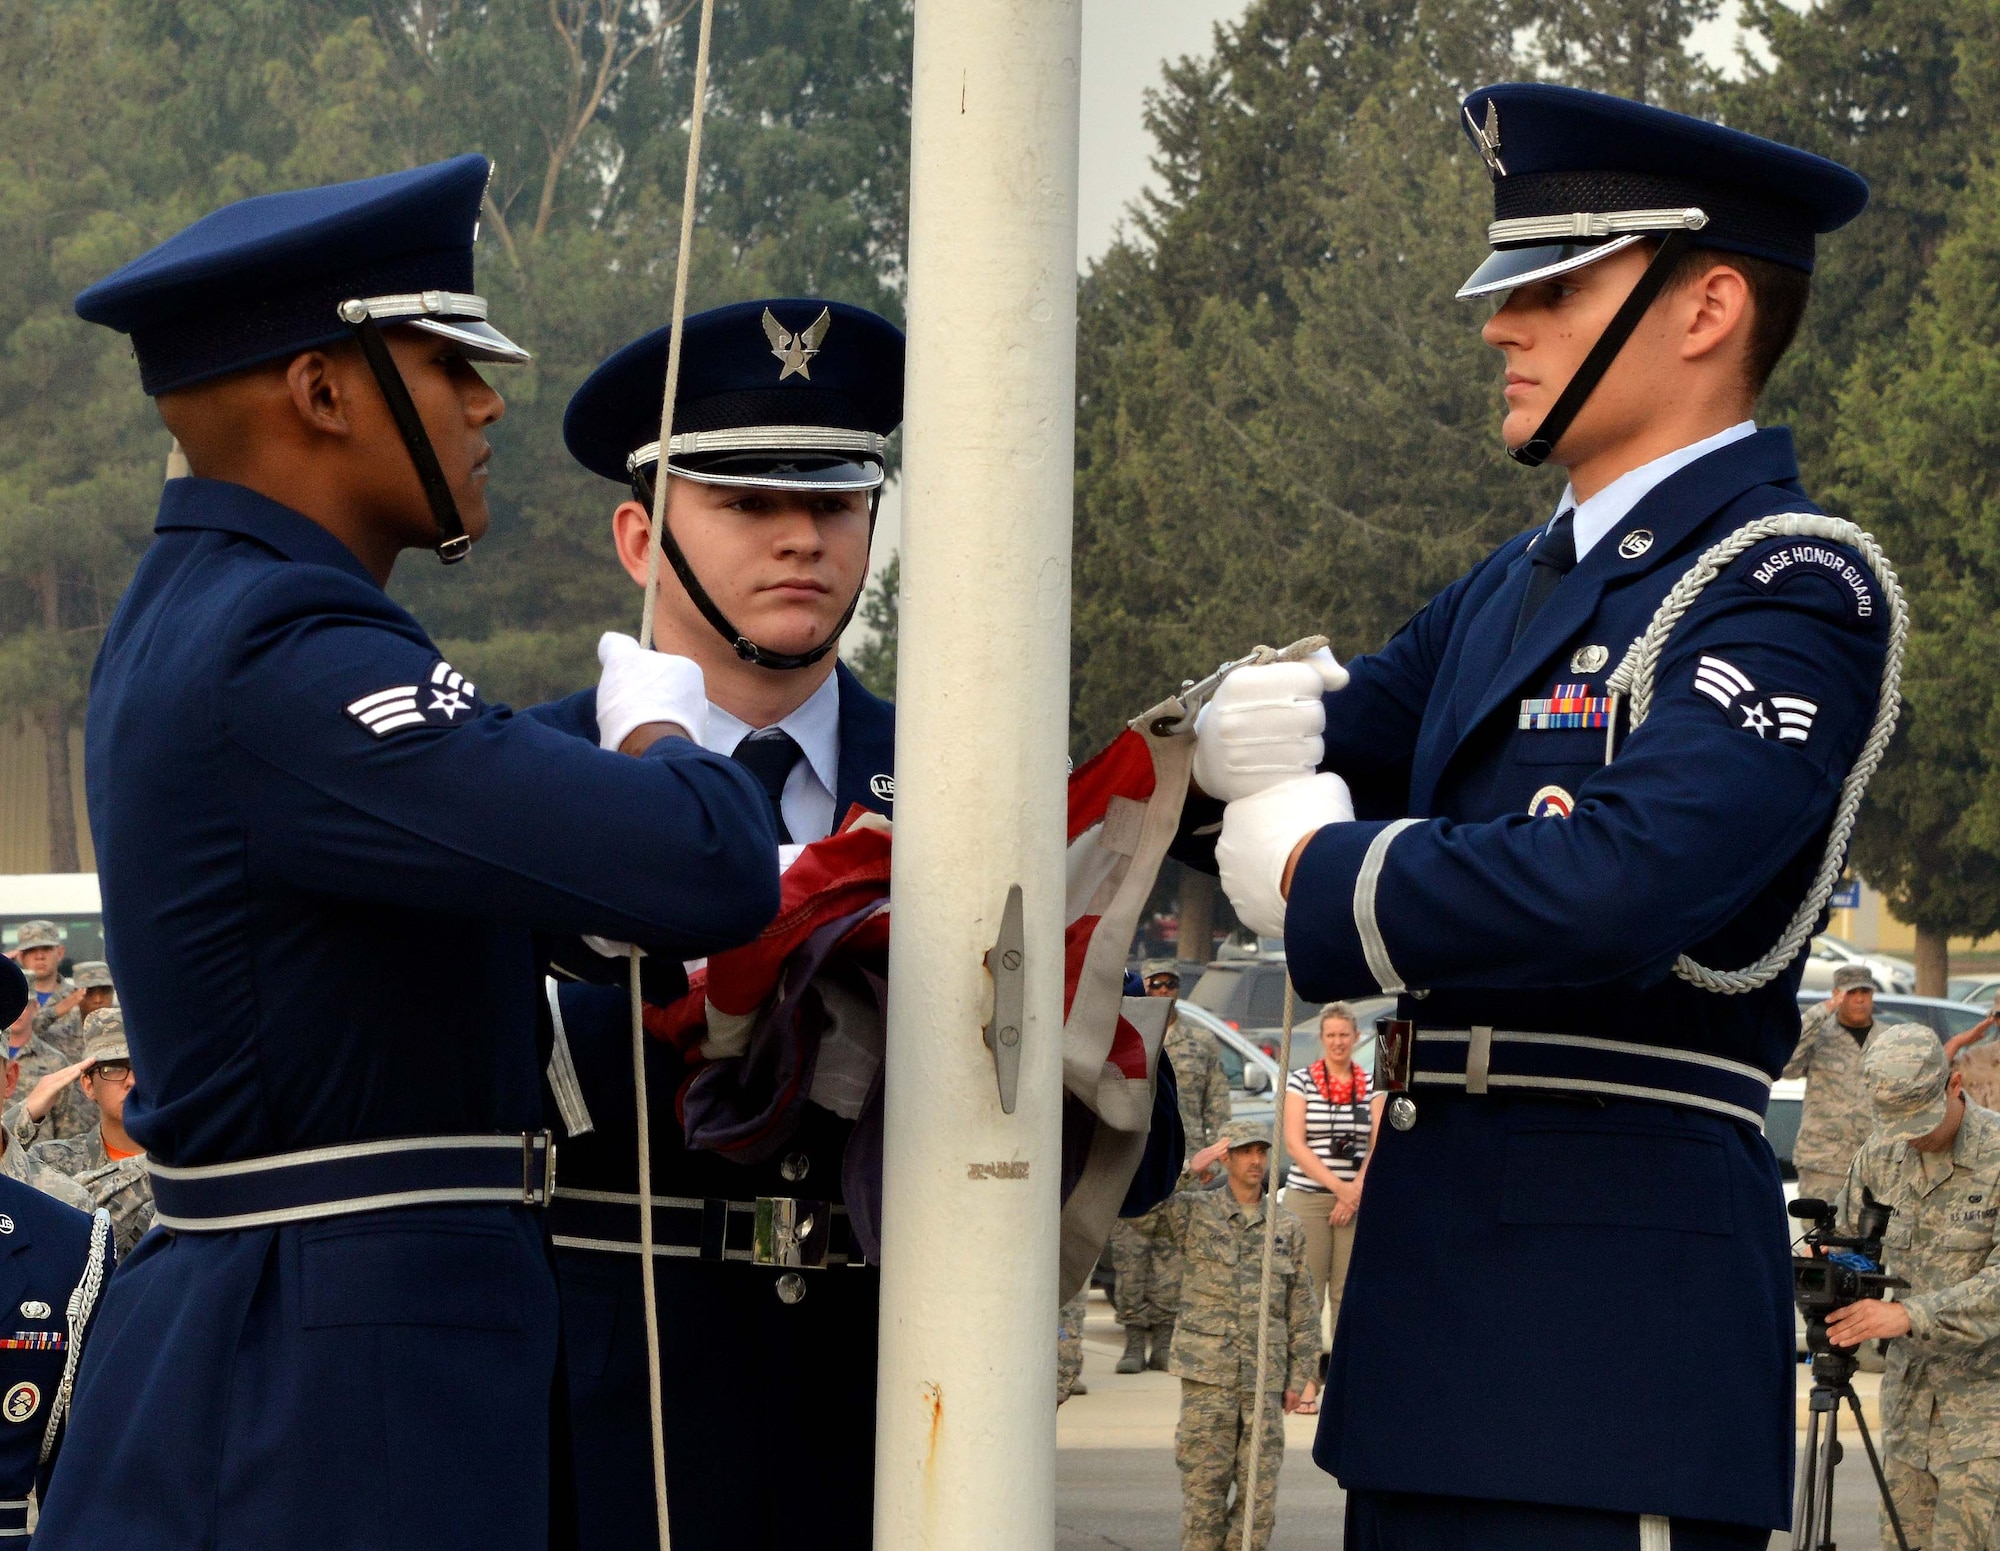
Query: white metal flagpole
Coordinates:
[965,1456]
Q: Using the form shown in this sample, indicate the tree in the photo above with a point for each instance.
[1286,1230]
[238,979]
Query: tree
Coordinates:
[1917,425]
[1633,48]
[874,661]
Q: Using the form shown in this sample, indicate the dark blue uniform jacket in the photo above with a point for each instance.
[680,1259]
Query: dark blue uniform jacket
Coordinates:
[46,1253]
[323,857]
[1588,1302]
[746,1378]
[748,1381]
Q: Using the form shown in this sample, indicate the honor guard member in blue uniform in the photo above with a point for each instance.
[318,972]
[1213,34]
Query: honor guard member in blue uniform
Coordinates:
[780,433]
[1569,1320]
[323,854]
[53,1264]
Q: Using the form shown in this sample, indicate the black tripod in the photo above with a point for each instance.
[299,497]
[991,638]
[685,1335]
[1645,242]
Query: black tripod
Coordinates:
[1812,1505]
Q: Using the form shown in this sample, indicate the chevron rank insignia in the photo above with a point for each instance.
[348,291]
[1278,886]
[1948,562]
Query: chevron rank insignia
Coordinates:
[1789,717]
[446,698]
[1567,705]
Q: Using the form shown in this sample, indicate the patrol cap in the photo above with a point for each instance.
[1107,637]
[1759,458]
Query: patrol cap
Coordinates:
[1906,1073]
[38,934]
[1154,967]
[1237,1140]
[104,1037]
[1848,976]
[789,391]
[1578,176]
[265,278]
[92,973]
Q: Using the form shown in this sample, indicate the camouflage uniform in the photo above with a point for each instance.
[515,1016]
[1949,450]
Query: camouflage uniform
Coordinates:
[1147,1290]
[1069,1346]
[72,1114]
[65,1033]
[1215,1354]
[1941,1392]
[1837,1116]
[19,1163]
[122,1187]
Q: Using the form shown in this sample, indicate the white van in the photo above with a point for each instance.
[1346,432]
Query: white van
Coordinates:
[70,899]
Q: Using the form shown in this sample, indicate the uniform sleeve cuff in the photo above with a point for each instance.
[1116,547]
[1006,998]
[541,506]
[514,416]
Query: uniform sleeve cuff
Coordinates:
[1923,1323]
[1333,940]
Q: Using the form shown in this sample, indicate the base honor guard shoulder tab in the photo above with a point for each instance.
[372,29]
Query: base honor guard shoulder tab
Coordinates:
[1787,563]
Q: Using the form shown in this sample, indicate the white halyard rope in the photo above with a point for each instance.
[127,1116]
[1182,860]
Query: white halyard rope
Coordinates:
[647,1281]
[1635,677]
[1249,1500]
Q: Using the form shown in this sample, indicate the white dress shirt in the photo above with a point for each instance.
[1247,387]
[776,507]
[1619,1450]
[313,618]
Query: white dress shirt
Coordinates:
[807,801]
[1613,504]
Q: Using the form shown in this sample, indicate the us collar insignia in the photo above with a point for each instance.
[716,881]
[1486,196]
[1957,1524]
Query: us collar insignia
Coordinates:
[1488,138]
[883,786]
[797,350]
[1635,543]
[1568,705]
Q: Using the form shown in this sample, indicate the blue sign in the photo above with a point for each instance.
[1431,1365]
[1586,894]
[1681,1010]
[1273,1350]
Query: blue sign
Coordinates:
[1846,896]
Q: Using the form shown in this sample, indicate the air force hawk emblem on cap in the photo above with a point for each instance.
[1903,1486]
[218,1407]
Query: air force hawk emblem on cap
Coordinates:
[797,350]
[446,698]
[1487,138]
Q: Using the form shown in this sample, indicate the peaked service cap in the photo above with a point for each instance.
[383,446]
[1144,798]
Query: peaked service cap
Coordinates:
[265,278]
[1578,176]
[1906,1074]
[786,391]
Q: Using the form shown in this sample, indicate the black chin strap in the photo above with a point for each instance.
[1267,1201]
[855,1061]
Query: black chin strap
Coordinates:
[1534,452]
[739,643]
[453,544]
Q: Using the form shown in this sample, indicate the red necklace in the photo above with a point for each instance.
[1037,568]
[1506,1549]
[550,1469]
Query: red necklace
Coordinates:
[1351,1090]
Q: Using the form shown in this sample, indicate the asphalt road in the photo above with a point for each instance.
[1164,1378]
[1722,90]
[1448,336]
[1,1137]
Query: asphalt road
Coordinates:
[1117,1488]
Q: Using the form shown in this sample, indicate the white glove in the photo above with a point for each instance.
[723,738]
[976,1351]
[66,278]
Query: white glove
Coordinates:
[638,686]
[1259,834]
[1264,725]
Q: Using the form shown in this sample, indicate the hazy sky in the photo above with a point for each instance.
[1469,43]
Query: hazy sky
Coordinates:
[1124,44]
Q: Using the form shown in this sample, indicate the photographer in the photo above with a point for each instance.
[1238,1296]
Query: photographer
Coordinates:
[1935,1160]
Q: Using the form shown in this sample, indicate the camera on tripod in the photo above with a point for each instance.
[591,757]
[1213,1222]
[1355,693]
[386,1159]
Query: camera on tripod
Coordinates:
[1840,1269]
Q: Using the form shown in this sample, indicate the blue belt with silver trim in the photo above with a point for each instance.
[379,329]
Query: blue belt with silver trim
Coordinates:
[767,1231]
[14,1518]
[1489,1060]
[337,1181]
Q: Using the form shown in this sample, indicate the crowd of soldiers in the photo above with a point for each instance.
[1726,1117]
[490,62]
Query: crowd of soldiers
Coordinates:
[68,1073]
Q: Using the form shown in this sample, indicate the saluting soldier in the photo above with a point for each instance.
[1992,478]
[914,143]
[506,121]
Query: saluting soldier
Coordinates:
[780,436]
[105,1162]
[60,1022]
[1147,1292]
[323,853]
[1575,1102]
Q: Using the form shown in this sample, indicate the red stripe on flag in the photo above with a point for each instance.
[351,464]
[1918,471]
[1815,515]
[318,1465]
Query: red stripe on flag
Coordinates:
[1128,1052]
[1123,768]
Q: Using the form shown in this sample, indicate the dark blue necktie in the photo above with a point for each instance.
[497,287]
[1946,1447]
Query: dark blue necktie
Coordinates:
[769,756]
[1554,558]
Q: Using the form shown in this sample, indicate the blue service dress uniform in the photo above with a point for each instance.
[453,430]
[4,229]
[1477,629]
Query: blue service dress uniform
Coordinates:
[53,1263]
[1584,1301]
[323,856]
[769,1405]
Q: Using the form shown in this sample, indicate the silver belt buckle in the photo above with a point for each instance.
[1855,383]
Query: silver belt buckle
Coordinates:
[792,1232]
[537,1191]
[1395,1054]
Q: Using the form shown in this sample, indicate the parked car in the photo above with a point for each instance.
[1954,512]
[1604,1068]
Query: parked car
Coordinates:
[1974,990]
[1944,1017]
[1830,952]
[1248,994]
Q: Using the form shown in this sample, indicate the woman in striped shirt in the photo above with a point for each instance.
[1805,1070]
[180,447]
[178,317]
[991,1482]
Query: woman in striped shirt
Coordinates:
[1330,1124]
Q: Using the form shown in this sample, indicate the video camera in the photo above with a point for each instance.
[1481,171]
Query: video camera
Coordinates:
[1839,1270]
